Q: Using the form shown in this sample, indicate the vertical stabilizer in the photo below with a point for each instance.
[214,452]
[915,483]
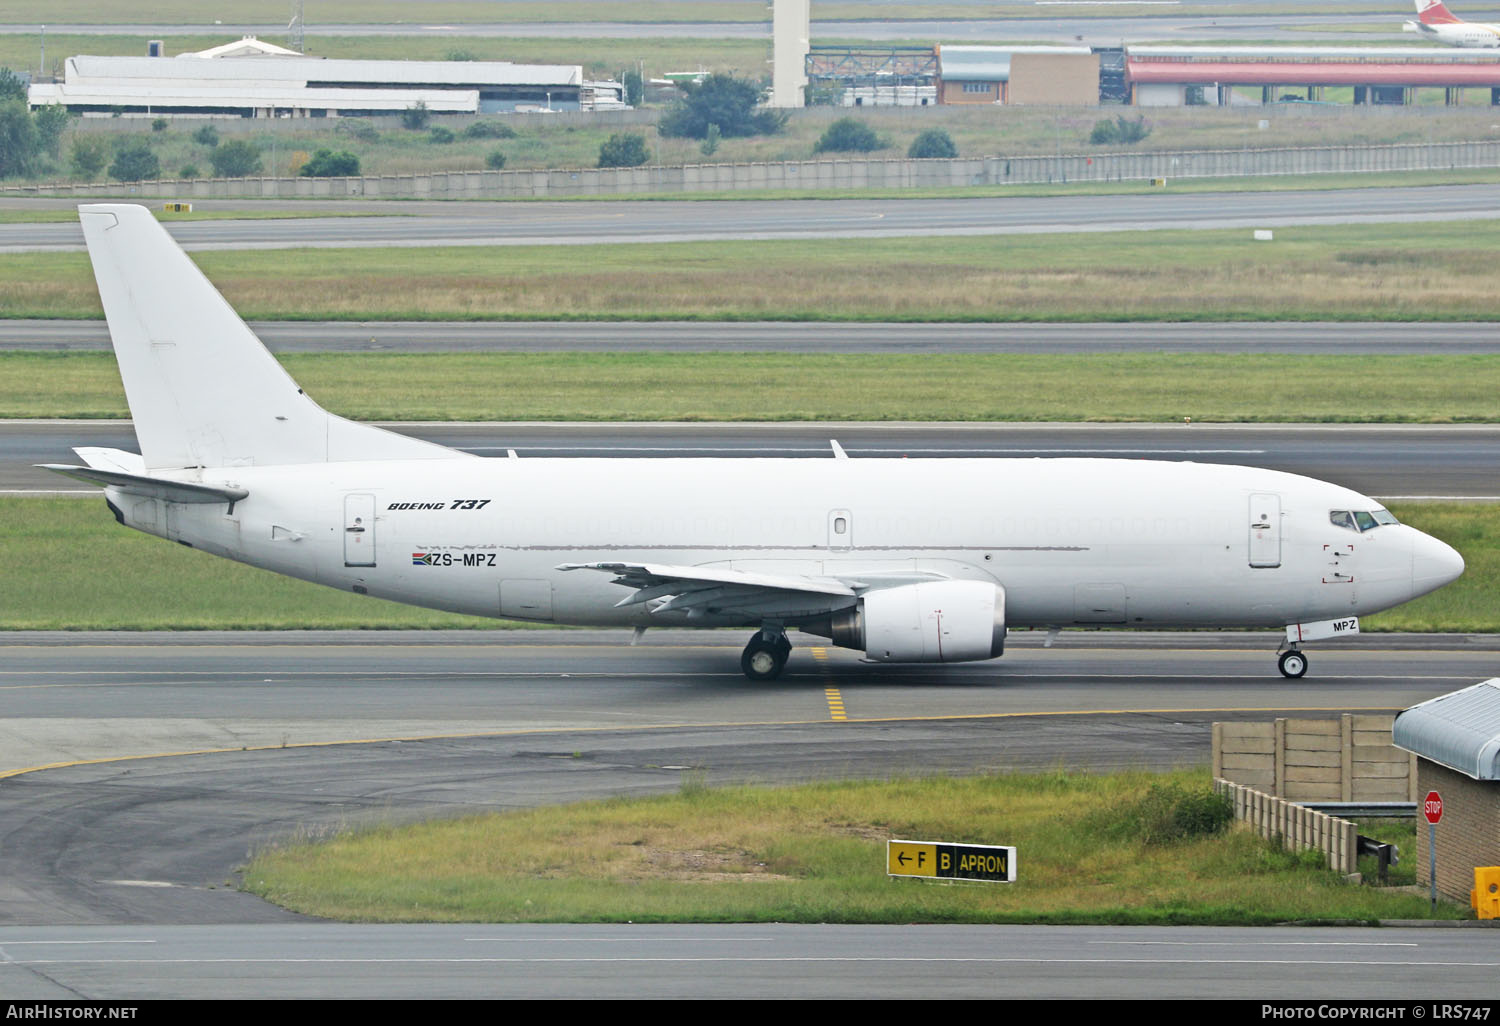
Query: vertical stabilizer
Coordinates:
[203,391]
[1435,12]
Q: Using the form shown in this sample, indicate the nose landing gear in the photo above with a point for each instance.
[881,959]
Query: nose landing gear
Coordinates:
[766,654]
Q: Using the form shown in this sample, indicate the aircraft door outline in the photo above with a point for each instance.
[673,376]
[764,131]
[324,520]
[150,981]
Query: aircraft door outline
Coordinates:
[359,529]
[1265,530]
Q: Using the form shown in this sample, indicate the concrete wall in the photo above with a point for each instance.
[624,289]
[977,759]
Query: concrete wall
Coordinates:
[853,173]
[1349,759]
[1294,826]
[1469,834]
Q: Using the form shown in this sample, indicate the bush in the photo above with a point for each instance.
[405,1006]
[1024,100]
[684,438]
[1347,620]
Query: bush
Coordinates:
[159,125]
[235,159]
[624,149]
[489,130]
[188,171]
[88,156]
[208,136]
[11,86]
[721,100]
[134,162]
[440,135]
[359,128]
[847,135]
[933,143]
[416,116]
[1169,813]
[1119,130]
[460,54]
[494,160]
[328,164]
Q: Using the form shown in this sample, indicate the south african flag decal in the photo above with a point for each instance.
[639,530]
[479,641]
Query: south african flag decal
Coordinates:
[423,559]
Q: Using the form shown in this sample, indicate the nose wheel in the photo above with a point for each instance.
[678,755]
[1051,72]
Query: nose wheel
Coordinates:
[766,655]
[1292,663]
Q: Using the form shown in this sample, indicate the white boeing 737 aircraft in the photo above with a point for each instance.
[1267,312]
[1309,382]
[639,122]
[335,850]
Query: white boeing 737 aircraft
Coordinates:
[1436,22]
[906,560]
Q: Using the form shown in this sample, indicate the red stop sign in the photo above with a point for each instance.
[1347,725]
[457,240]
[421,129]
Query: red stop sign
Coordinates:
[1432,807]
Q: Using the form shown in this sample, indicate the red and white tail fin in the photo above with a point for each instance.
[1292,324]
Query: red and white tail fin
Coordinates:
[1435,12]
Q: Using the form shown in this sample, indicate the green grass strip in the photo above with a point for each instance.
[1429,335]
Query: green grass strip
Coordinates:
[817,854]
[1404,272]
[1253,387]
[69,566]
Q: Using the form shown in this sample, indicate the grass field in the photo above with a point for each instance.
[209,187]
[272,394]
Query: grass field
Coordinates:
[132,581]
[1401,272]
[816,854]
[1264,388]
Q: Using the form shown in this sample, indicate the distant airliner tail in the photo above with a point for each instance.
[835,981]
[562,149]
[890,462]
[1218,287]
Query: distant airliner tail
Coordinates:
[1435,12]
[203,390]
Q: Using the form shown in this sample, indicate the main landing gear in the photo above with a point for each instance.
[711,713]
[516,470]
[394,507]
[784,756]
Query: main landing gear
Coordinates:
[766,655]
[1292,663]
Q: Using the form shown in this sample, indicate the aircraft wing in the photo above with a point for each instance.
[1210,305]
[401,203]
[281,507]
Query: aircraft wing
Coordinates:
[699,591]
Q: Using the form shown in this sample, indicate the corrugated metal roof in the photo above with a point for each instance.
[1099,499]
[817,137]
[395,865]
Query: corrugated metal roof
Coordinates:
[1460,730]
[317,69]
[1306,73]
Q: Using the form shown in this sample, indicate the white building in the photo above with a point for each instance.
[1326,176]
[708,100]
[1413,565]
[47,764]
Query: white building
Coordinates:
[251,78]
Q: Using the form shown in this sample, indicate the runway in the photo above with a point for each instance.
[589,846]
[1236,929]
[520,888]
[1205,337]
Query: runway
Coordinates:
[1306,338]
[1389,461]
[638,221]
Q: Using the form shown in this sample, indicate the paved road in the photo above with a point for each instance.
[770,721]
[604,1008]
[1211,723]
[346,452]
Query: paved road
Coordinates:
[500,720]
[1389,461]
[551,223]
[805,337]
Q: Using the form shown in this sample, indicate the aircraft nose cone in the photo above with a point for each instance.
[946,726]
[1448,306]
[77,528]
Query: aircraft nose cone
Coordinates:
[1433,564]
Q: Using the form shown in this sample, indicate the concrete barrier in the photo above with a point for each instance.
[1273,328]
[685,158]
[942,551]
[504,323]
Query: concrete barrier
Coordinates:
[1294,826]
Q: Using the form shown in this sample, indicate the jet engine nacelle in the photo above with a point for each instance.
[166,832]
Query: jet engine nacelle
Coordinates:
[930,622]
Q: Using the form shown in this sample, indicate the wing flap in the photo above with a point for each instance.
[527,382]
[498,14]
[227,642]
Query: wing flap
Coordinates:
[697,591]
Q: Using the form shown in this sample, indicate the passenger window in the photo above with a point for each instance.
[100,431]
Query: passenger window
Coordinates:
[1341,518]
[1365,521]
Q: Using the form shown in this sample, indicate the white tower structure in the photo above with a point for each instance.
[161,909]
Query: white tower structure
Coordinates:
[791,25]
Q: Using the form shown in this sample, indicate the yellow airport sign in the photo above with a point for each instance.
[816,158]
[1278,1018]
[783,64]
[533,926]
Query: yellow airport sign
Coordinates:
[939,861]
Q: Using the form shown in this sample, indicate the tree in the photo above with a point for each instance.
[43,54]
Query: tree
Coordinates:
[848,135]
[415,117]
[624,149]
[635,91]
[439,134]
[134,162]
[328,164]
[88,156]
[207,135]
[494,160]
[50,122]
[235,159]
[933,143]
[11,86]
[721,100]
[18,143]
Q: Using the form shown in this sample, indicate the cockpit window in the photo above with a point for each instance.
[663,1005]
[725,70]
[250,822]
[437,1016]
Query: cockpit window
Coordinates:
[1360,520]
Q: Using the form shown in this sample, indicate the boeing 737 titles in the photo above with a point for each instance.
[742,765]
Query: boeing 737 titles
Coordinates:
[905,560]
[1436,22]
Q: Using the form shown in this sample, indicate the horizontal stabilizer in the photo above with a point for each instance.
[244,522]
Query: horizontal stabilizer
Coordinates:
[151,487]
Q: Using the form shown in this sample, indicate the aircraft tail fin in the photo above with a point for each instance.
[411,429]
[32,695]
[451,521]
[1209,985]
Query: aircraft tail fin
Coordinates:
[1435,12]
[203,390]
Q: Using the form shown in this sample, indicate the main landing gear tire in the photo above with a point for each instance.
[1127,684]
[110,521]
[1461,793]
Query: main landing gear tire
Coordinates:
[1292,664]
[764,659]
